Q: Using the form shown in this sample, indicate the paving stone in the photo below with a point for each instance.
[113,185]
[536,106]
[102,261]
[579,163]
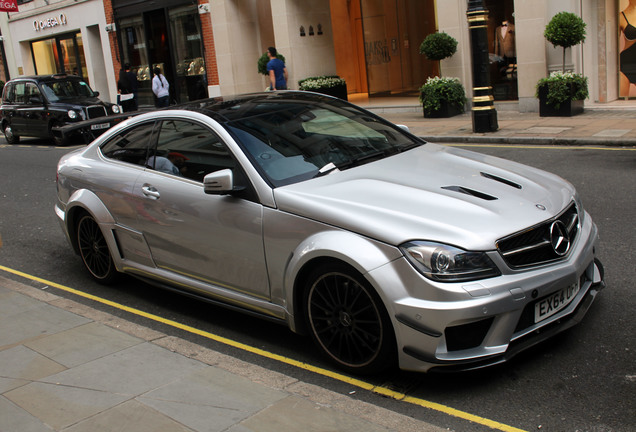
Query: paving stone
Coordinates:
[62,406]
[83,344]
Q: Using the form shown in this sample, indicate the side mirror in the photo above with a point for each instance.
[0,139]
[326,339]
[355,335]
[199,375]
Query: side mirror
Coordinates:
[404,127]
[96,93]
[220,183]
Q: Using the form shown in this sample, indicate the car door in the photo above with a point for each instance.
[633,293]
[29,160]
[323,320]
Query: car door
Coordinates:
[13,105]
[34,112]
[215,239]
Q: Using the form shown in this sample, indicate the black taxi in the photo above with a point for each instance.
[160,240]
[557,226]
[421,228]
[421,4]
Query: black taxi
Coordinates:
[36,106]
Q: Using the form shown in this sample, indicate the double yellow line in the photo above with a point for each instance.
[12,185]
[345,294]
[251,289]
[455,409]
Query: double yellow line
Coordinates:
[383,391]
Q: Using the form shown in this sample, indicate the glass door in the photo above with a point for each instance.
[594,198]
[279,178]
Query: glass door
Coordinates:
[185,32]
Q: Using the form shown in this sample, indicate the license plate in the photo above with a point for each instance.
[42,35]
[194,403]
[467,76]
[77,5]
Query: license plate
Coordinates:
[100,126]
[555,302]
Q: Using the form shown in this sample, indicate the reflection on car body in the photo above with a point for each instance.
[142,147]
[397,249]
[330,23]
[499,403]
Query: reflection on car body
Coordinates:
[308,210]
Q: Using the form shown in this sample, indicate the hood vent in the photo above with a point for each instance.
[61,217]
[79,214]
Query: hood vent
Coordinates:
[470,192]
[501,180]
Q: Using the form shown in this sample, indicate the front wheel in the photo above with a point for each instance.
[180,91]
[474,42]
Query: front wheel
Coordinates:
[94,251]
[10,136]
[348,321]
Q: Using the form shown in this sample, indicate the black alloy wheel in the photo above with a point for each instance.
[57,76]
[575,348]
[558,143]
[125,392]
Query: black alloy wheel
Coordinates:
[94,251]
[348,321]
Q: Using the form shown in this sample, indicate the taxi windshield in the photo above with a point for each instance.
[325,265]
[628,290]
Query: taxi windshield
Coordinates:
[66,89]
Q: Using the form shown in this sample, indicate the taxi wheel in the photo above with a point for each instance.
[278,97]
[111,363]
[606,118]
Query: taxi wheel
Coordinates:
[57,140]
[94,251]
[348,321]
[10,136]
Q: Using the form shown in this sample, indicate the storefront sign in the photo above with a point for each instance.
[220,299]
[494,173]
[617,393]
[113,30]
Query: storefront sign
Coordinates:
[8,5]
[49,23]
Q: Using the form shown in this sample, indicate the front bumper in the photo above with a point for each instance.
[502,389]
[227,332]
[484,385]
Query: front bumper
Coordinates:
[470,326]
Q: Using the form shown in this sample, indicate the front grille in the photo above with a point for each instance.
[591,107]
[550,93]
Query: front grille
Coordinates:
[96,111]
[535,246]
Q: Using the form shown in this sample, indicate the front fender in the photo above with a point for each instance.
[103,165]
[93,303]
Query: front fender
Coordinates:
[361,253]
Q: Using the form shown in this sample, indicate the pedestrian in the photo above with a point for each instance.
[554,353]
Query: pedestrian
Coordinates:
[134,85]
[160,88]
[277,71]
[125,96]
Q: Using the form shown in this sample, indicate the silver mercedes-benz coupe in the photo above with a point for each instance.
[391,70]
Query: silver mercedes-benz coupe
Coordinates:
[310,211]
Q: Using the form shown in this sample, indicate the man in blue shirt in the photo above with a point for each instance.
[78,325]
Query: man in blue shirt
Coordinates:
[277,71]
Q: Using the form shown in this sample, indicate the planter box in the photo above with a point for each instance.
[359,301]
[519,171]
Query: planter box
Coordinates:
[446,110]
[566,109]
[339,91]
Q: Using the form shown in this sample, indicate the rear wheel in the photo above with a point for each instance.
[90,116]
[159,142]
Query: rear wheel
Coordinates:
[10,136]
[94,250]
[348,321]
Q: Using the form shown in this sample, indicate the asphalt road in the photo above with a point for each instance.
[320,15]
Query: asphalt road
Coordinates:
[582,380]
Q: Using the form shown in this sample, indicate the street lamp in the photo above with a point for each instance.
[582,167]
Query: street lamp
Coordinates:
[483,107]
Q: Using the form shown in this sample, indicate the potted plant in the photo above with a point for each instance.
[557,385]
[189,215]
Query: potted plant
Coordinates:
[442,97]
[331,85]
[562,94]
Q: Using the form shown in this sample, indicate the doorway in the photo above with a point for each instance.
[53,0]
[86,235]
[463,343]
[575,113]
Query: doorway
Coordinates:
[168,38]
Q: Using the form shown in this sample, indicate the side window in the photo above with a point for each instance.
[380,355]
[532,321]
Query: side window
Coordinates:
[193,149]
[32,91]
[8,93]
[130,145]
[20,93]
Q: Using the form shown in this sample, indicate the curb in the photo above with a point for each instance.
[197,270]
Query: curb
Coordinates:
[544,141]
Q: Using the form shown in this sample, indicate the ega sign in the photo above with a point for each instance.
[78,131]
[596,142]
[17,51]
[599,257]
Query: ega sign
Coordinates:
[8,5]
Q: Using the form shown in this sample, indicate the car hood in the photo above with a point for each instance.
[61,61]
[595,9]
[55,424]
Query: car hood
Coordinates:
[79,102]
[435,193]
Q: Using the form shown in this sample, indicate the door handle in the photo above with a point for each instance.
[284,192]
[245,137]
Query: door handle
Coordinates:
[150,191]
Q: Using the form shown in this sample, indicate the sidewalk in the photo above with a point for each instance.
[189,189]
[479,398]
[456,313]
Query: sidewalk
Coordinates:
[67,367]
[612,124]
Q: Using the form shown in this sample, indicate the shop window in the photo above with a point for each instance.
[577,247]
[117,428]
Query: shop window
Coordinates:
[185,28]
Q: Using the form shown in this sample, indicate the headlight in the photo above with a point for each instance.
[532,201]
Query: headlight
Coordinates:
[115,109]
[446,263]
[72,114]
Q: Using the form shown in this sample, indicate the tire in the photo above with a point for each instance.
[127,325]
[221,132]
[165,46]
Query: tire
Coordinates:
[94,251]
[58,141]
[348,321]
[10,136]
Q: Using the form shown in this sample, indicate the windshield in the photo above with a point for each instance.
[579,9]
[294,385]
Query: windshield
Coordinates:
[66,89]
[292,142]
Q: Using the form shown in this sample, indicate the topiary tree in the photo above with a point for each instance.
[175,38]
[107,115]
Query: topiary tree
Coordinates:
[438,46]
[565,29]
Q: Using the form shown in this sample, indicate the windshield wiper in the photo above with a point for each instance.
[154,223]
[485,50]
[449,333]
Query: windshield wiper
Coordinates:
[368,157]
[330,167]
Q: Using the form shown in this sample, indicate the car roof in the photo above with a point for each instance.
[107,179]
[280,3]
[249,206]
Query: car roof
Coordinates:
[49,77]
[229,108]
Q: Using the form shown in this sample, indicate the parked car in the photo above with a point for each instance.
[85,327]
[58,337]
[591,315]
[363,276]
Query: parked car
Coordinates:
[310,211]
[35,106]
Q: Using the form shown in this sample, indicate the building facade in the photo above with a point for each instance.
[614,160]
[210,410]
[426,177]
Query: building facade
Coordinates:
[211,47]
